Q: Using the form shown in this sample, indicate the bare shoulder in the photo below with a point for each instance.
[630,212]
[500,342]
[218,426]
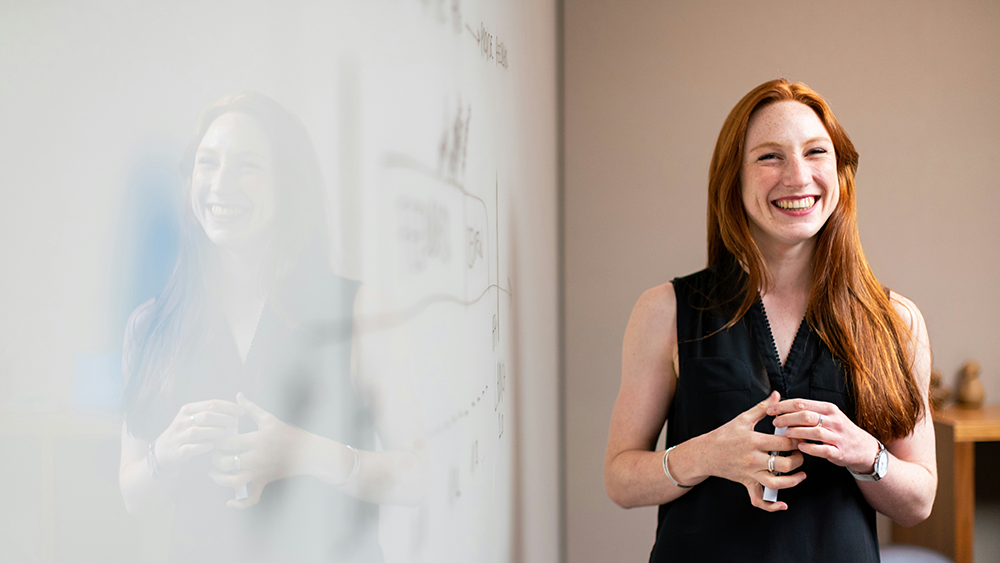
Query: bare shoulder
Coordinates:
[907,310]
[656,308]
[651,335]
[919,341]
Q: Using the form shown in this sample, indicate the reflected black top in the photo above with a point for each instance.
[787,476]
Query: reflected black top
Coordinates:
[303,378]
[723,374]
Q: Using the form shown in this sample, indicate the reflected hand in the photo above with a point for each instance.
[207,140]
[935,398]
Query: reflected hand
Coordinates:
[838,439]
[740,454]
[270,453]
[193,432]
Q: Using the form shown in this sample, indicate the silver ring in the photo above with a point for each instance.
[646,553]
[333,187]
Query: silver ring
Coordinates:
[820,423]
[193,423]
[770,464]
[237,456]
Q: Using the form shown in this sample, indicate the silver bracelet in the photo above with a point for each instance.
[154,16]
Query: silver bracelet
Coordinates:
[357,464]
[667,471]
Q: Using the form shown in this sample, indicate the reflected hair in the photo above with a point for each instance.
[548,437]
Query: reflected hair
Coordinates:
[848,308]
[185,312]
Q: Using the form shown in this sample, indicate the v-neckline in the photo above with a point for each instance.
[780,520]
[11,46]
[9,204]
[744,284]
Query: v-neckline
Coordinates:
[769,347]
[240,358]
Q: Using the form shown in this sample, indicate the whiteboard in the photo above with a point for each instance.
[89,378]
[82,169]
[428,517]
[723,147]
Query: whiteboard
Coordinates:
[435,124]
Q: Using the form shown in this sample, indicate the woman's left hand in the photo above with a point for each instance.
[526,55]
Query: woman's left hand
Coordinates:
[272,452]
[825,431]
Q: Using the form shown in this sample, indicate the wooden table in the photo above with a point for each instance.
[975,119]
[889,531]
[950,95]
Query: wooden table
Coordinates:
[950,526]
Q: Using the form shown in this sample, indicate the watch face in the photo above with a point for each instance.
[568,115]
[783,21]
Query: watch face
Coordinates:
[882,463]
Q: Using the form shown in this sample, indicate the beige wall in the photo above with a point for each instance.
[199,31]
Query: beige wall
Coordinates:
[647,86]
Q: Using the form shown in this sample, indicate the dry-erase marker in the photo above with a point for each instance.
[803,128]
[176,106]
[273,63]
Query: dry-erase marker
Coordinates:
[771,495]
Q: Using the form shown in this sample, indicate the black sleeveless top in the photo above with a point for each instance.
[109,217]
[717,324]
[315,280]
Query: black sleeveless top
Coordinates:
[723,374]
[301,376]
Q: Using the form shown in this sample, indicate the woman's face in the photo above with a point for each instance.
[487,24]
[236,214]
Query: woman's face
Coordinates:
[232,185]
[789,175]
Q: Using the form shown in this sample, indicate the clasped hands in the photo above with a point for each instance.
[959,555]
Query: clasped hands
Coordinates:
[272,452]
[816,428]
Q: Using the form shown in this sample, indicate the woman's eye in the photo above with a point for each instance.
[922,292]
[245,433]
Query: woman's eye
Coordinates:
[768,156]
[817,151]
[205,162]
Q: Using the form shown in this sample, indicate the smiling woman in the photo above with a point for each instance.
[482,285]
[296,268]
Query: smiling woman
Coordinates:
[242,419]
[787,309]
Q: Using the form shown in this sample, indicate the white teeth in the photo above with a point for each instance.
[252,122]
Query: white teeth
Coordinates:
[225,211]
[795,204]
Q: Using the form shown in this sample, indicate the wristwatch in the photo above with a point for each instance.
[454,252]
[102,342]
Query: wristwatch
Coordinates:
[879,469]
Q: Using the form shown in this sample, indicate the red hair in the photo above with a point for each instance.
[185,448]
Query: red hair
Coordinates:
[848,308]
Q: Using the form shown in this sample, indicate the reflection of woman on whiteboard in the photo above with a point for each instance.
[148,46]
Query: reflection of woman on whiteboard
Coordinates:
[257,429]
[786,331]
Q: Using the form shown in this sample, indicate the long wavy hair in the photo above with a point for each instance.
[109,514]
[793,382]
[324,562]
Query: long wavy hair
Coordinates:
[185,312]
[848,308]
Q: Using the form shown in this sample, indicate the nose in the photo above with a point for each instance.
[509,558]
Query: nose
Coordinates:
[224,180]
[797,172]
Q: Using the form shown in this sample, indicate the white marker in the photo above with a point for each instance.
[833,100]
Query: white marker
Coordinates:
[241,491]
[771,495]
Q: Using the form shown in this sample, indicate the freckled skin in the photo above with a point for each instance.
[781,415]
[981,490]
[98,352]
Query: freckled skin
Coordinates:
[789,156]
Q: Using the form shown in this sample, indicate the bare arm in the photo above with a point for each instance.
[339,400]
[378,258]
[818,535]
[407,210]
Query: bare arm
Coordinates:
[633,472]
[382,364]
[906,494]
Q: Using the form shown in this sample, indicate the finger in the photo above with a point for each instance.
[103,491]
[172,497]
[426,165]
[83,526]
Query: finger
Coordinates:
[227,462]
[814,433]
[214,405]
[230,479]
[209,418]
[777,482]
[757,412]
[756,491]
[202,434]
[825,451]
[796,405]
[788,464]
[802,418]
[773,443]
[188,451]
[251,500]
[238,443]
[257,413]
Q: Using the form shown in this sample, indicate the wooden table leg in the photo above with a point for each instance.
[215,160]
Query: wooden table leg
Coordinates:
[965,500]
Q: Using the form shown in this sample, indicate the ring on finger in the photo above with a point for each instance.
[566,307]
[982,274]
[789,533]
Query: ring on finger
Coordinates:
[770,464]
[820,423]
[193,422]
[238,465]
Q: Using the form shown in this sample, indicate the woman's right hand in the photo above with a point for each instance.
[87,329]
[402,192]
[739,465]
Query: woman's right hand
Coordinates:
[194,431]
[739,453]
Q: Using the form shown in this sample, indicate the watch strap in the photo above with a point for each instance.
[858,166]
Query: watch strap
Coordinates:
[874,475]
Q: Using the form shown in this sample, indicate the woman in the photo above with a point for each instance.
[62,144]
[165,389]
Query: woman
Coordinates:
[786,331]
[246,409]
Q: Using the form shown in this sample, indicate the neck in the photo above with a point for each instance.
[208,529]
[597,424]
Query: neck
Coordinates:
[790,267]
[241,277]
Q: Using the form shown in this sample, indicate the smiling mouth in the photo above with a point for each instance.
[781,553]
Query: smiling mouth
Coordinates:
[795,204]
[227,212]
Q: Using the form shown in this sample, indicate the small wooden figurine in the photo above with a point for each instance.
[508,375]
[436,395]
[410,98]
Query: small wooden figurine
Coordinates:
[970,390]
[939,393]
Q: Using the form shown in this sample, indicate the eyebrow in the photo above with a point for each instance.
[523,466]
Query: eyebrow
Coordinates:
[240,155]
[779,145]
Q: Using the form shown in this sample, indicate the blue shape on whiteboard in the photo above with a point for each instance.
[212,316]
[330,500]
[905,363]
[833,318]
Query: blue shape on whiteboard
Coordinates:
[97,381]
